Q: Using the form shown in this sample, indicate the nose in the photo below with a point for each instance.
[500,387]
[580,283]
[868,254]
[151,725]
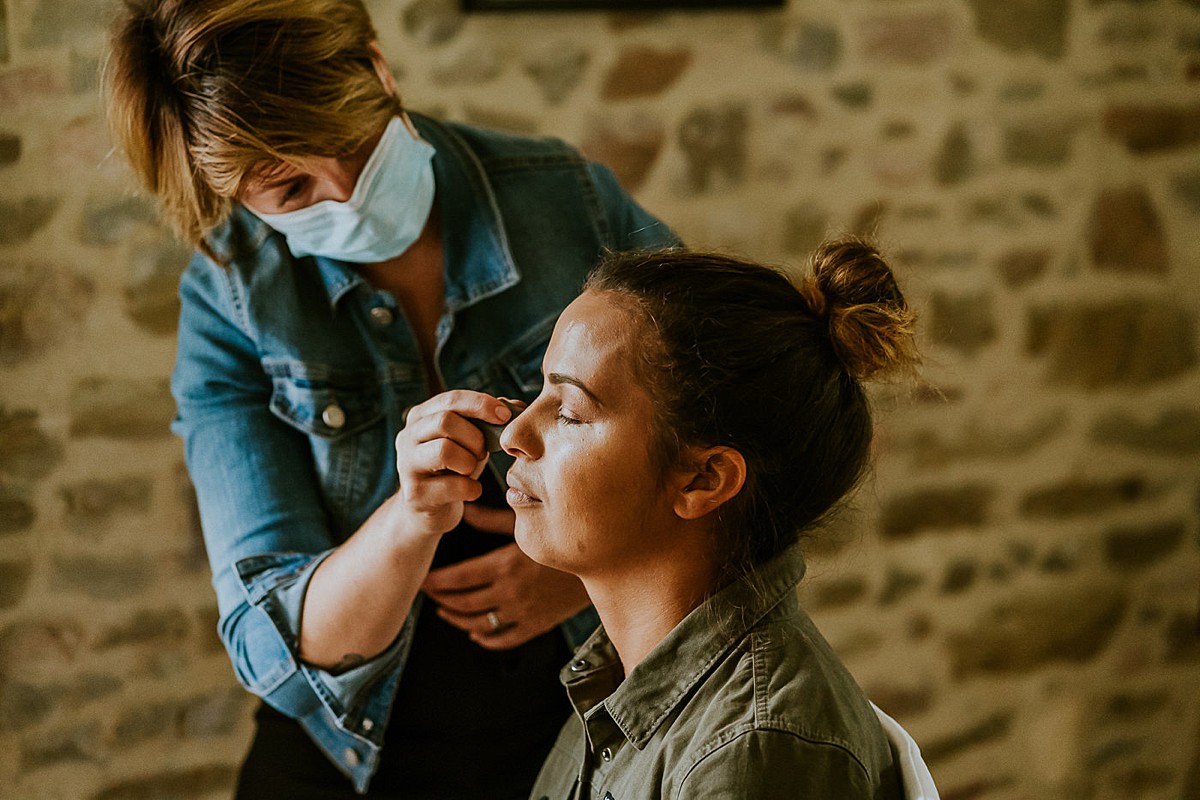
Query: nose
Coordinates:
[333,179]
[520,438]
[339,184]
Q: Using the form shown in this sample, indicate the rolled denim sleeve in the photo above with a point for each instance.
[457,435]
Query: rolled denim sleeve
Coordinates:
[631,226]
[265,527]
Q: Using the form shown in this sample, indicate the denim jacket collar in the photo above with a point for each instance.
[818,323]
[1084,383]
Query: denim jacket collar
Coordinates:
[646,697]
[478,264]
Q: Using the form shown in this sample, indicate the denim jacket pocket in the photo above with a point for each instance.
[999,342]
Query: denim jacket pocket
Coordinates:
[338,412]
[320,401]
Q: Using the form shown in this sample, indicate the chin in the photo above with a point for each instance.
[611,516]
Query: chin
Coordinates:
[527,539]
[532,542]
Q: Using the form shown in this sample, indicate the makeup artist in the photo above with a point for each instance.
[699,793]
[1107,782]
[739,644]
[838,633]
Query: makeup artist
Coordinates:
[355,261]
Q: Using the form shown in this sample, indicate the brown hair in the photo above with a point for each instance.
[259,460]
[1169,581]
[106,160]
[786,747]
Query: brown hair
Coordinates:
[204,93]
[738,356]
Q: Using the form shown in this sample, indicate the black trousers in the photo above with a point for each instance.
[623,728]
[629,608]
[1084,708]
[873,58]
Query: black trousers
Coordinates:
[284,764]
[467,723]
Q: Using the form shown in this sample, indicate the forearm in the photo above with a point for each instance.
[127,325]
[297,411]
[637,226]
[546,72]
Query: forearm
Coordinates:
[361,594]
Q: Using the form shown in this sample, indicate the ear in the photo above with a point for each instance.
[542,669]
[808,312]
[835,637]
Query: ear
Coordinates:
[716,475]
[382,69]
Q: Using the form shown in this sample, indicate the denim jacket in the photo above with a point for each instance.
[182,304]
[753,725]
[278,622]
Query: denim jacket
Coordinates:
[292,376]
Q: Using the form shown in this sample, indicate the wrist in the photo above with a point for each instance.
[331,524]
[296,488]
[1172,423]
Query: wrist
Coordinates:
[409,529]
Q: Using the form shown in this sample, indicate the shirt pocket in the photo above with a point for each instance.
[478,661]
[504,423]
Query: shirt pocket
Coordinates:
[342,415]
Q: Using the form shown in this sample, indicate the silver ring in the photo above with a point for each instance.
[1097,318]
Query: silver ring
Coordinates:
[493,620]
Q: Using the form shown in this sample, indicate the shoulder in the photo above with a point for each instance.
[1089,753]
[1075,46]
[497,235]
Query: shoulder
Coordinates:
[255,270]
[800,709]
[248,252]
[801,683]
[501,150]
[520,173]
[239,239]
[766,762]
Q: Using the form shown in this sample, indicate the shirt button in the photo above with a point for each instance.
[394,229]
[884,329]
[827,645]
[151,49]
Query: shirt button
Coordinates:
[579,665]
[351,756]
[333,416]
[367,725]
[606,754]
[382,316]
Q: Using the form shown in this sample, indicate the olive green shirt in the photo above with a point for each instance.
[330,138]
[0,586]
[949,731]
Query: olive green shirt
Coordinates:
[742,699]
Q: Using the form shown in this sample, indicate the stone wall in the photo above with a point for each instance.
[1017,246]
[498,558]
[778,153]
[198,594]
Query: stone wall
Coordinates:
[1017,582]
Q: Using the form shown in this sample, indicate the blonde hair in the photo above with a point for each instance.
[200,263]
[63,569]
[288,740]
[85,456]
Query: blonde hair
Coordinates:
[206,93]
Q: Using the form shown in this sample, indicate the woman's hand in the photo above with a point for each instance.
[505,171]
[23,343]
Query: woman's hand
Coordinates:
[361,594]
[523,597]
[439,457]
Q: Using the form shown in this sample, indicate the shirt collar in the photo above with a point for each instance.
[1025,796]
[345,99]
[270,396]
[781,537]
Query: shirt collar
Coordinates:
[651,692]
[478,260]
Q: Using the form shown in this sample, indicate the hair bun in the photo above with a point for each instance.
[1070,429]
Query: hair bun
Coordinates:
[871,327]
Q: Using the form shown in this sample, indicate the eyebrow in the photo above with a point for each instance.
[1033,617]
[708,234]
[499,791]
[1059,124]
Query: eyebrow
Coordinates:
[559,378]
[274,175]
[280,180]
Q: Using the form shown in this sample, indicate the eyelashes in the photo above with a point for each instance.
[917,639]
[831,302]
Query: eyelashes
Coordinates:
[293,191]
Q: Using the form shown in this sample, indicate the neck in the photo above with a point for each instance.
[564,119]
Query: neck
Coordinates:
[417,268]
[415,279]
[640,604]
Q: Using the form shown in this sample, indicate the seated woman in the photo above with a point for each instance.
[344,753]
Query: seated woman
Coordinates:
[699,415]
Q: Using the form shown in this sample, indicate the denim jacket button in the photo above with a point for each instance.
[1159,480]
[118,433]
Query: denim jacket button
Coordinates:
[351,756]
[579,665]
[367,725]
[333,416]
[382,316]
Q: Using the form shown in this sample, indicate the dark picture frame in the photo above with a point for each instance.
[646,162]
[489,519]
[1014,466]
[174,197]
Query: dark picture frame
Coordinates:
[613,5]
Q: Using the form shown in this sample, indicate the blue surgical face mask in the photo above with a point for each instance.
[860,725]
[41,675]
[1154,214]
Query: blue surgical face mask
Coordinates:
[385,213]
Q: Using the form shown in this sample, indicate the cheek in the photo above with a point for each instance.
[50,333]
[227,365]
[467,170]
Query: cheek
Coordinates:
[605,486]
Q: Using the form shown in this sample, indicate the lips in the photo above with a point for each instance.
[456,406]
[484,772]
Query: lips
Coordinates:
[518,494]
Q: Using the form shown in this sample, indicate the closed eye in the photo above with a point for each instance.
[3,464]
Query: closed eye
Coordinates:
[293,190]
